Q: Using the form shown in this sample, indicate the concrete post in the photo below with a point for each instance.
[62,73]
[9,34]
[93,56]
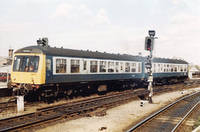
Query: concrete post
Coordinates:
[20,104]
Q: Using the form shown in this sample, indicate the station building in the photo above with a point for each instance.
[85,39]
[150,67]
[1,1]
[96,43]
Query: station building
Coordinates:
[194,72]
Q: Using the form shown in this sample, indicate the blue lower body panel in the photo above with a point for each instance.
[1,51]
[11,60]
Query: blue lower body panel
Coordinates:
[73,78]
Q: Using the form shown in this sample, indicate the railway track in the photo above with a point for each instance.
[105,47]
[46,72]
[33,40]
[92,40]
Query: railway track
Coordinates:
[66,111]
[171,117]
[9,104]
[185,117]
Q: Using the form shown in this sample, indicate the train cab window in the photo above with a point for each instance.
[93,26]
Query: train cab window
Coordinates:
[17,61]
[102,67]
[48,64]
[75,66]
[34,63]
[93,66]
[127,67]
[133,67]
[116,66]
[61,65]
[110,66]
[26,63]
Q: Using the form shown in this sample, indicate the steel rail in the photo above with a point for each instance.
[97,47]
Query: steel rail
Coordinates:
[158,112]
[30,119]
[2,104]
[175,128]
[87,100]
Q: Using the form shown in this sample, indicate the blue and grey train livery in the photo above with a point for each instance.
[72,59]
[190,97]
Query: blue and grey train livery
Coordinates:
[50,71]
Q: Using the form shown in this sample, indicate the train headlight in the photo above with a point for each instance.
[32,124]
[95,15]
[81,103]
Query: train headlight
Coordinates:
[14,78]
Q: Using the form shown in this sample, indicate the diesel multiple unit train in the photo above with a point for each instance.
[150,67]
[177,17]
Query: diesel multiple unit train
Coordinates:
[50,71]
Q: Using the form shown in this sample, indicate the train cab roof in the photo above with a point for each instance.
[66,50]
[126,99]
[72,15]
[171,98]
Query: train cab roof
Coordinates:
[77,53]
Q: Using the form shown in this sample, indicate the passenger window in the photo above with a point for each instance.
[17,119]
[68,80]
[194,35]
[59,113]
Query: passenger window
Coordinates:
[93,66]
[139,67]
[185,68]
[154,68]
[127,67]
[121,66]
[102,66]
[84,65]
[178,68]
[165,68]
[61,65]
[110,66]
[75,66]
[171,68]
[175,69]
[181,67]
[48,64]
[161,67]
[116,66]
[133,67]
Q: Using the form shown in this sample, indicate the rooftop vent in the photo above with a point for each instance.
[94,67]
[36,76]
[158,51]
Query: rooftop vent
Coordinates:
[43,42]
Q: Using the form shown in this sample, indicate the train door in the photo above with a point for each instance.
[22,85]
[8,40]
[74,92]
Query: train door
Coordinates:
[84,70]
[85,67]
[49,69]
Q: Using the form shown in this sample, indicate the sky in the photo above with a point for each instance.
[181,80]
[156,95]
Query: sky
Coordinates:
[112,26]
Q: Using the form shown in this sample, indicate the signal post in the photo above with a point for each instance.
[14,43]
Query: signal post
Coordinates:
[149,46]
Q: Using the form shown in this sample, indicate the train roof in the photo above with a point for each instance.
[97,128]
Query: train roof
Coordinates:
[163,60]
[90,54]
[77,53]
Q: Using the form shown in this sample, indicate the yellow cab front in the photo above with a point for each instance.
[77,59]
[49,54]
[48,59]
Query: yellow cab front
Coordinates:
[28,69]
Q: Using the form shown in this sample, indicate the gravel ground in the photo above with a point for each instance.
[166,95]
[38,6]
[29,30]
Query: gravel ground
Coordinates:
[31,107]
[119,118]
